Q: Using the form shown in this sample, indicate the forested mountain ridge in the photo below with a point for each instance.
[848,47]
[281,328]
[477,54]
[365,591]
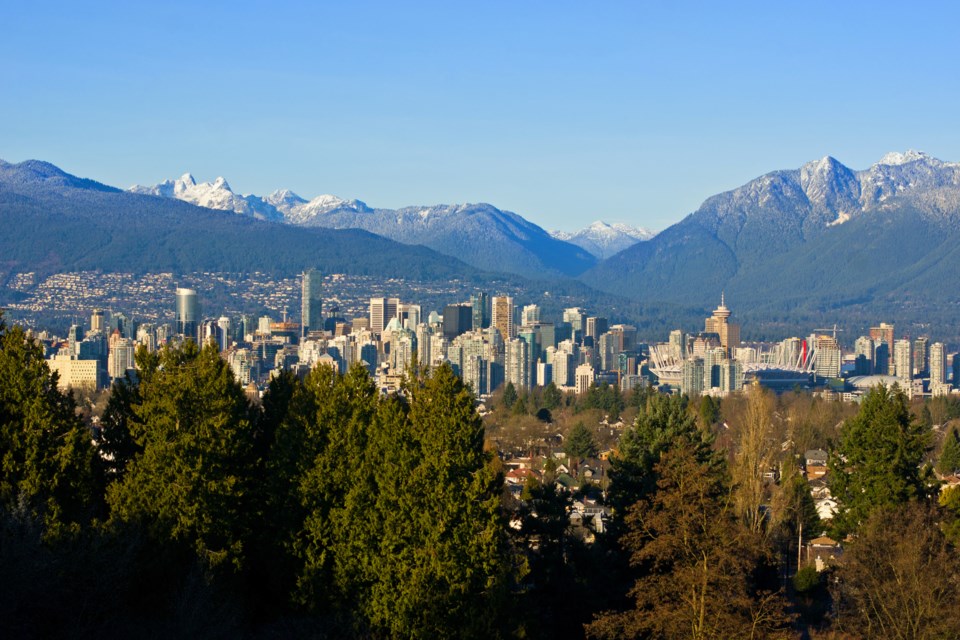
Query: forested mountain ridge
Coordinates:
[479,234]
[821,239]
[56,221]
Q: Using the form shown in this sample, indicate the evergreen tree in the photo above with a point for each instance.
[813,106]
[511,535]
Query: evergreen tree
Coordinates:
[191,483]
[114,438]
[441,565]
[317,459]
[950,453]
[509,395]
[877,461]
[580,444]
[552,398]
[663,419]
[46,460]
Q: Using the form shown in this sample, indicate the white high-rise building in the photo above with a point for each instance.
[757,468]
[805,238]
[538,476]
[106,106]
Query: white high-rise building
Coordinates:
[584,378]
[563,368]
[530,315]
[517,363]
[829,357]
[903,359]
[938,364]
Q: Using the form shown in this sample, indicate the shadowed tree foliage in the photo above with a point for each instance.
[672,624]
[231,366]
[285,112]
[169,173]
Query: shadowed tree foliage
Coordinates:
[663,419]
[695,559]
[900,578]
[949,461]
[46,460]
[877,461]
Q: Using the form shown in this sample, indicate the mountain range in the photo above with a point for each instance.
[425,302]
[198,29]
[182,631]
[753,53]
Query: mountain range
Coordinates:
[820,243]
[478,234]
[63,223]
[822,239]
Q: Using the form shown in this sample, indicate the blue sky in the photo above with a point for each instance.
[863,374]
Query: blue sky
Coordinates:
[563,112]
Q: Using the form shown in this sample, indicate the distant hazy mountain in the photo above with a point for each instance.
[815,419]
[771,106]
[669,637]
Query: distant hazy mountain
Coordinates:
[820,237]
[479,234]
[58,222]
[603,240]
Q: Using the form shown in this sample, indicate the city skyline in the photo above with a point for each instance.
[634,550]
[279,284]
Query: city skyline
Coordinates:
[624,113]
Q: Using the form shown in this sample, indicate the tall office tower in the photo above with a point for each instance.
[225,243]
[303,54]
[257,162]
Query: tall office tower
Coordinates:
[563,368]
[501,317]
[903,359]
[920,364]
[119,322]
[97,323]
[577,319]
[517,363]
[382,311]
[530,315]
[712,360]
[583,378]
[829,357]
[885,333]
[408,315]
[120,355]
[607,349]
[719,323]
[676,344]
[692,377]
[480,308]
[595,327]
[457,319]
[938,364]
[187,313]
[225,332]
[147,337]
[311,302]
[544,374]
[864,347]
[424,355]
[626,337]
[882,360]
[731,376]
[956,370]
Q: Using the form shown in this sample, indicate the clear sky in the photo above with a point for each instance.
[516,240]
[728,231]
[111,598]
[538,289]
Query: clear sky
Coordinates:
[563,112]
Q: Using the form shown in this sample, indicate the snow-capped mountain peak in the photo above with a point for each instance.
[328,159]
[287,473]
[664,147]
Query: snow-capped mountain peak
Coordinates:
[603,239]
[895,158]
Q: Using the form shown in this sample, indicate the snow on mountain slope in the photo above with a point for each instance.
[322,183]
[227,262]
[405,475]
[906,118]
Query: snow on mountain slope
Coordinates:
[213,195]
[604,240]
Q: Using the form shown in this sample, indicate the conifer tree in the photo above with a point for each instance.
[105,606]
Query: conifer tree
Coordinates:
[46,459]
[191,482]
[442,562]
[877,461]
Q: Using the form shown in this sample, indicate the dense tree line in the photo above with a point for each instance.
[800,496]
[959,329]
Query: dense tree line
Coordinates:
[327,509]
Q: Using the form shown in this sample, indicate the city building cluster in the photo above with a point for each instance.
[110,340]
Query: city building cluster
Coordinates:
[491,340]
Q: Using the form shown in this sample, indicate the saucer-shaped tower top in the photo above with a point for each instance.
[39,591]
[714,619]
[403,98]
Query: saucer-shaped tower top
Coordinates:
[722,311]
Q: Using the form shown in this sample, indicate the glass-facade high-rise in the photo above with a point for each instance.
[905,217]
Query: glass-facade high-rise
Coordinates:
[187,312]
[311,302]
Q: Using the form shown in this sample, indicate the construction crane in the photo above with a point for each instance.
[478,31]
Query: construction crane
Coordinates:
[834,330]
